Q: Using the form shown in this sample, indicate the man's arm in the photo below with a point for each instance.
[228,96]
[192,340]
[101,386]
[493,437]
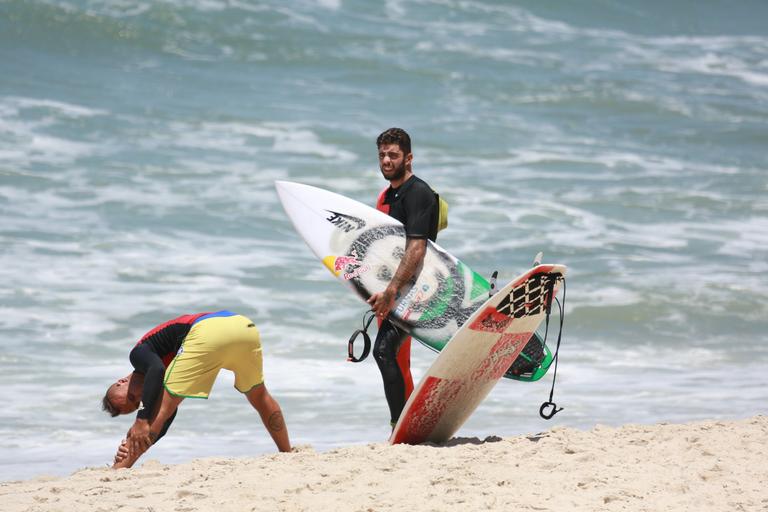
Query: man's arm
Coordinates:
[157,428]
[123,451]
[415,249]
[146,361]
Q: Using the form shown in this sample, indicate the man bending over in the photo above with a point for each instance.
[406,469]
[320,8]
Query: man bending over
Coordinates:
[181,359]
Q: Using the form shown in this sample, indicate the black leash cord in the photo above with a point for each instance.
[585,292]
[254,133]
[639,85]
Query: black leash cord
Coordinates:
[367,319]
[550,403]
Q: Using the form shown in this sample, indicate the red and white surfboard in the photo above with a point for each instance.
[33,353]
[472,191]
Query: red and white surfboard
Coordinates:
[476,357]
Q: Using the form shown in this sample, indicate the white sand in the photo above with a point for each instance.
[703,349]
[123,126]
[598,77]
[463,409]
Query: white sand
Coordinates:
[706,466]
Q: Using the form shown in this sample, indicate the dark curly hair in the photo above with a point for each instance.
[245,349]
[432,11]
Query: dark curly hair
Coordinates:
[395,136]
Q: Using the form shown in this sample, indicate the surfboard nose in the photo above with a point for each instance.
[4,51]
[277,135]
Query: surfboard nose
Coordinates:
[282,185]
[291,192]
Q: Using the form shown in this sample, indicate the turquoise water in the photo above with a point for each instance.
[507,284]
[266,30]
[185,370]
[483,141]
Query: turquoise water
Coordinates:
[139,144]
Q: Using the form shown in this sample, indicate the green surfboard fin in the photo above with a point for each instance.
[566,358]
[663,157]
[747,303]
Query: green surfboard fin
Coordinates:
[532,363]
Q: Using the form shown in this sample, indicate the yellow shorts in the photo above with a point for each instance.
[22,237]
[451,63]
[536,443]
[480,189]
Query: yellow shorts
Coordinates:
[230,342]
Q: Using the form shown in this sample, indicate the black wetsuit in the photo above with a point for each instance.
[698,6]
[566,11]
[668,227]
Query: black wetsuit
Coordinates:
[150,357]
[414,204]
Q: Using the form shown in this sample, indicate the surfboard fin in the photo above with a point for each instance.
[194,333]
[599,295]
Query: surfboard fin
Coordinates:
[492,283]
[532,363]
[535,359]
[537,259]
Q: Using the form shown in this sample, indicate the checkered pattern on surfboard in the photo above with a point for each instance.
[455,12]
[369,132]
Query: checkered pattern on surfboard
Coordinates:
[530,298]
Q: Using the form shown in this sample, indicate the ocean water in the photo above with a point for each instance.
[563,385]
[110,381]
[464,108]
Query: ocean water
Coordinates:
[139,144]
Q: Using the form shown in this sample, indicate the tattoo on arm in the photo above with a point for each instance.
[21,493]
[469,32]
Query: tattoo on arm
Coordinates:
[153,436]
[415,250]
[275,422]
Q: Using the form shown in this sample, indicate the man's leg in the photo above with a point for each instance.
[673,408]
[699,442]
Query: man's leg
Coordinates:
[271,416]
[396,377]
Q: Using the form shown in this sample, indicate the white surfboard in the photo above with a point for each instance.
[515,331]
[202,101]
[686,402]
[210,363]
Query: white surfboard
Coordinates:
[476,357]
[362,247]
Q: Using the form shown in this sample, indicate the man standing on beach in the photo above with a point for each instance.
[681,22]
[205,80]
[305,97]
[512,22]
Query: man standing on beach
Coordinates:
[411,201]
[181,359]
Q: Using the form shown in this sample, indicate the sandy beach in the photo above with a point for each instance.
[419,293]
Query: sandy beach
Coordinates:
[703,466]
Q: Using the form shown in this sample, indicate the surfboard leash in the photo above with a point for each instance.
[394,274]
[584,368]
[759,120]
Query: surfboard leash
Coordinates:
[555,358]
[367,319]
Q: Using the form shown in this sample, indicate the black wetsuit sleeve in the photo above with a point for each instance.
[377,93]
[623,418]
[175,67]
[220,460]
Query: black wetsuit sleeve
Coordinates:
[420,205]
[146,361]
